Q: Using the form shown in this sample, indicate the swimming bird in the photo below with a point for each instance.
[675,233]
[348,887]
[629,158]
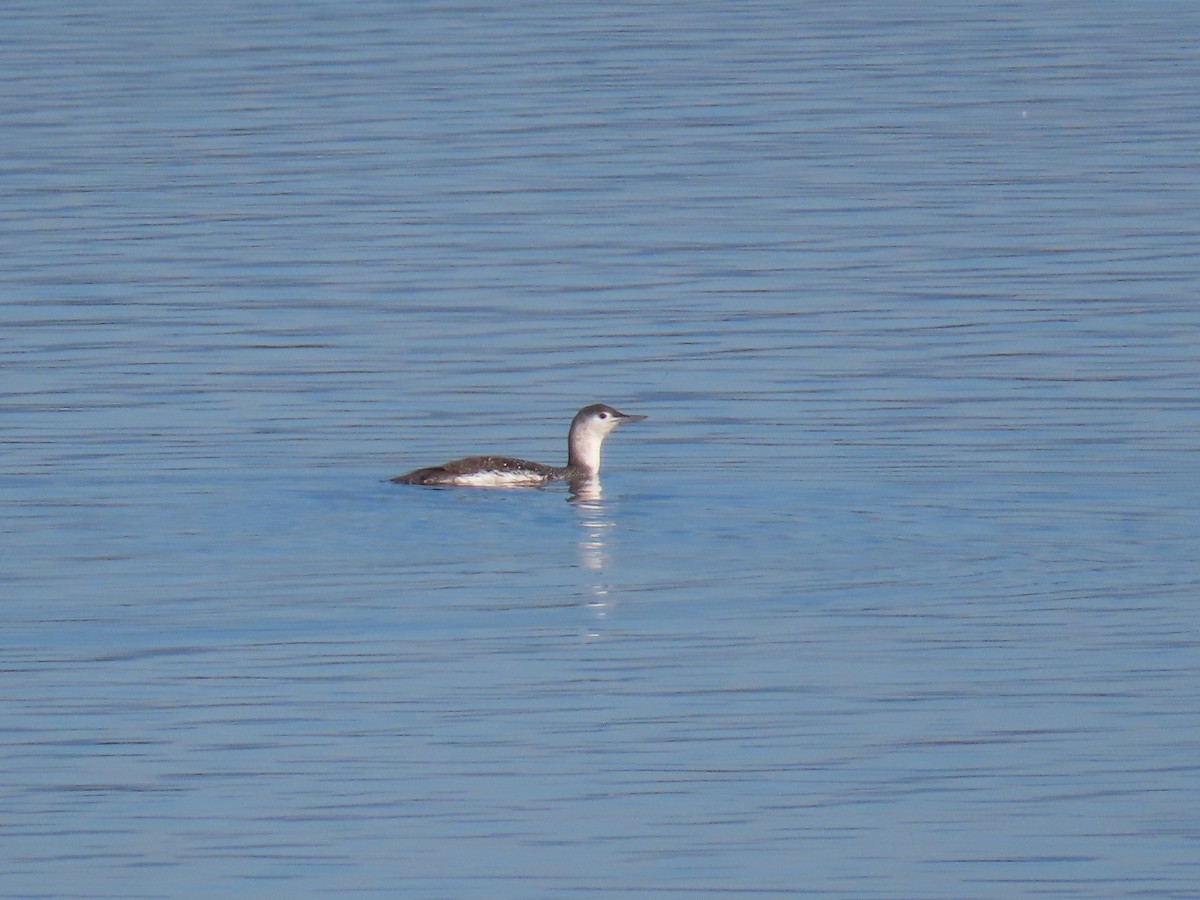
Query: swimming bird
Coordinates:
[589,428]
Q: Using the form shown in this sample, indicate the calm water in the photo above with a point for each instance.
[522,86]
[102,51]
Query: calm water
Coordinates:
[895,594]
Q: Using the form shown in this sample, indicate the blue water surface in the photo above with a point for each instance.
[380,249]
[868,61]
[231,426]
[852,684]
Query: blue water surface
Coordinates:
[894,594]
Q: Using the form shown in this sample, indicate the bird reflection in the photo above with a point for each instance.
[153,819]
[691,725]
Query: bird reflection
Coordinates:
[595,524]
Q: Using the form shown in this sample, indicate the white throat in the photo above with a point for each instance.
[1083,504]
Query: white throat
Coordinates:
[584,443]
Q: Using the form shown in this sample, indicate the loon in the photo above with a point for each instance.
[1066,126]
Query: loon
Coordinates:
[589,428]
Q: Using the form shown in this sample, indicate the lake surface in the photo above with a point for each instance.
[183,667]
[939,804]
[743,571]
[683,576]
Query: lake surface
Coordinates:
[896,592]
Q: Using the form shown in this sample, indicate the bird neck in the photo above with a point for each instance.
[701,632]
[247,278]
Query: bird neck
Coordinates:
[583,452]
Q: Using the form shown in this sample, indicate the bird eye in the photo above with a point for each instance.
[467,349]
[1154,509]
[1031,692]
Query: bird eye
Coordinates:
[604,415]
